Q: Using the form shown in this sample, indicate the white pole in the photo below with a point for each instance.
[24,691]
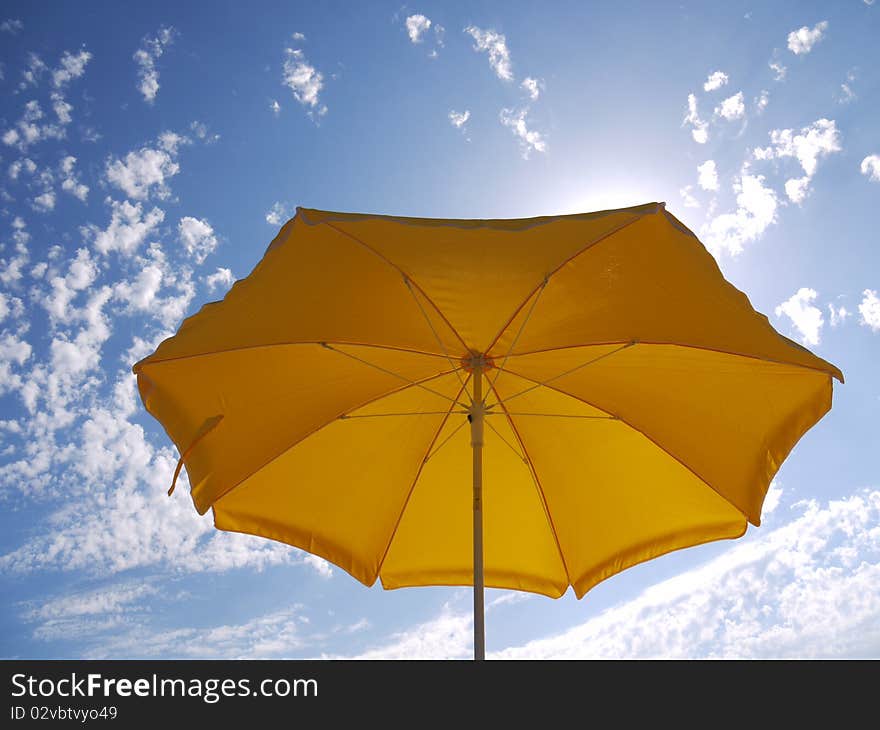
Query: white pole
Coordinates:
[476,419]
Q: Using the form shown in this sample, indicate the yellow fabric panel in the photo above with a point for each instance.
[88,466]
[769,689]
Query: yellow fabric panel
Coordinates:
[730,419]
[615,498]
[338,494]
[478,271]
[434,542]
[312,285]
[269,398]
[653,282]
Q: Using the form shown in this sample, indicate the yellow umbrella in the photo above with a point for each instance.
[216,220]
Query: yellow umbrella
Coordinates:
[622,398]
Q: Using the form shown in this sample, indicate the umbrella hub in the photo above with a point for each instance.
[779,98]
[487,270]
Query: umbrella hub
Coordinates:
[477,361]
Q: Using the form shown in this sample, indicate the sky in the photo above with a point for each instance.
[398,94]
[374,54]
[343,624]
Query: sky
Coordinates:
[149,153]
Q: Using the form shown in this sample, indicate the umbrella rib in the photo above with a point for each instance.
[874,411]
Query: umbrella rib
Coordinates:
[403,274]
[346,417]
[683,345]
[139,365]
[446,440]
[537,482]
[315,430]
[409,286]
[618,417]
[556,377]
[415,480]
[512,447]
[521,328]
[571,258]
[565,415]
[394,374]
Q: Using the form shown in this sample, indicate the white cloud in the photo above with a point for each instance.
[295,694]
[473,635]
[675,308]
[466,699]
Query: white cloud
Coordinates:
[838,314]
[447,636]
[806,318]
[146,56]
[495,44]
[44,202]
[811,143]
[532,86]
[304,81]
[806,589]
[70,182]
[689,200]
[17,166]
[700,129]
[275,107]
[13,351]
[128,228]
[31,74]
[72,66]
[715,81]
[733,107]
[145,171]
[529,139]
[870,167]
[30,128]
[755,211]
[762,100]
[220,279]
[459,119]
[803,39]
[13,26]
[140,294]
[81,273]
[416,25]
[201,131]
[277,214]
[779,71]
[197,237]
[869,308]
[708,175]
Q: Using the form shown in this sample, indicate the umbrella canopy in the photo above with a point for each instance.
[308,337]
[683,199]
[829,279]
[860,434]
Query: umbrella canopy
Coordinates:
[543,402]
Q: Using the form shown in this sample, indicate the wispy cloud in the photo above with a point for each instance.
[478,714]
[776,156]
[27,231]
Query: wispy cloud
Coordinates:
[146,56]
[756,209]
[716,80]
[699,128]
[733,107]
[804,315]
[495,45]
[869,309]
[803,39]
[870,168]
[530,140]
[304,81]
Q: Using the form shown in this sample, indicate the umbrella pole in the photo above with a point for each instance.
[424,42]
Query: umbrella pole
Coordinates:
[476,419]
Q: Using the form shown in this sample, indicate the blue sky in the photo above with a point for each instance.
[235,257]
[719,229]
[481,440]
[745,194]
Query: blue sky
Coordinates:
[149,153]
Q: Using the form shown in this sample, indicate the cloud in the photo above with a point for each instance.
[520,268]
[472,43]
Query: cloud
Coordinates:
[146,56]
[128,228]
[779,71]
[416,26]
[733,107]
[277,214]
[459,119]
[45,202]
[145,172]
[786,592]
[689,200]
[304,81]
[220,279]
[197,237]
[869,308]
[82,272]
[201,132]
[838,315]
[803,39]
[275,107]
[532,87]
[700,129]
[808,146]
[31,128]
[708,175]
[495,44]
[449,635]
[755,211]
[73,66]
[17,166]
[715,81]
[870,168]
[761,101]
[806,318]
[13,26]
[70,182]
[529,139]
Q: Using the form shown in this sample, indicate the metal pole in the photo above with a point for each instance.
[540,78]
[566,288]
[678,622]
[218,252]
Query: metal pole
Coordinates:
[476,419]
